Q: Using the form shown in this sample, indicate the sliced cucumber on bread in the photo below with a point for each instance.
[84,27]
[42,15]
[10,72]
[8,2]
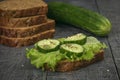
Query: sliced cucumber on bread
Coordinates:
[78,38]
[48,45]
[71,50]
[66,54]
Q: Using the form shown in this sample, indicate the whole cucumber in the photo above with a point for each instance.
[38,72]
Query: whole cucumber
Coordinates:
[79,17]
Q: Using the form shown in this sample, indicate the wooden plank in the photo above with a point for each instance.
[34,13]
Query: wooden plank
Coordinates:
[111,9]
[15,66]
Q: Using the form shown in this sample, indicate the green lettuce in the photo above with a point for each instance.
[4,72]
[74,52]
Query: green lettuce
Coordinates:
[39,59]
[92,47]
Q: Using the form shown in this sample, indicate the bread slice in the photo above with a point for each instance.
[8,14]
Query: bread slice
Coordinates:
[64,65]
[24,21]
[18,42]
[27,31]
[22,8]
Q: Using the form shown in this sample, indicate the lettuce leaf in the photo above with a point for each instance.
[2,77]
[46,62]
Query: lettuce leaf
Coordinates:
[39,59]
[92,47]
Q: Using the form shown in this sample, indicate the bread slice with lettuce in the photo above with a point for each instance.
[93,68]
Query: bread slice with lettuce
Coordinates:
[57,60]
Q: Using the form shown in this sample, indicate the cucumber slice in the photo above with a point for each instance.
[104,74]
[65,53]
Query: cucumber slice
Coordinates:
[71,50]
[78,38]
[48,45]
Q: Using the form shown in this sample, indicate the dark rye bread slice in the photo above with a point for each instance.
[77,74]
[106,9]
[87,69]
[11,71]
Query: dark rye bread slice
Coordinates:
[64,66]
[19,42]
[27,31]
[22,8]
[24,21]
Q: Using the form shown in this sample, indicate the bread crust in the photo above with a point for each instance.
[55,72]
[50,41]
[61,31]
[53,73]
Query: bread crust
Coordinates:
[27,31]
[22,8]
[65,66]
[19,42]
[22,22]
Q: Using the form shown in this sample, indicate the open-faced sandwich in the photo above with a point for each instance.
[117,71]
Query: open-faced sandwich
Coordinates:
[66,54]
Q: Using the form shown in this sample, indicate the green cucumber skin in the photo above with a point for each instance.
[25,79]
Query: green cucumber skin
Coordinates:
[47,50]
[80,17]
[50,50]
[64,51]
[81,42]
[70,55]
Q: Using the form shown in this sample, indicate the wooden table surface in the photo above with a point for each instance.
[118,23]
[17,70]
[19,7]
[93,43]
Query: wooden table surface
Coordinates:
[15,66]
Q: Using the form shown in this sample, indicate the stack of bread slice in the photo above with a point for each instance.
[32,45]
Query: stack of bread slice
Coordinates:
[24,22]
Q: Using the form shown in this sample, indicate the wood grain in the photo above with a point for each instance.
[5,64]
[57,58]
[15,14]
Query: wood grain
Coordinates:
[111,9]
